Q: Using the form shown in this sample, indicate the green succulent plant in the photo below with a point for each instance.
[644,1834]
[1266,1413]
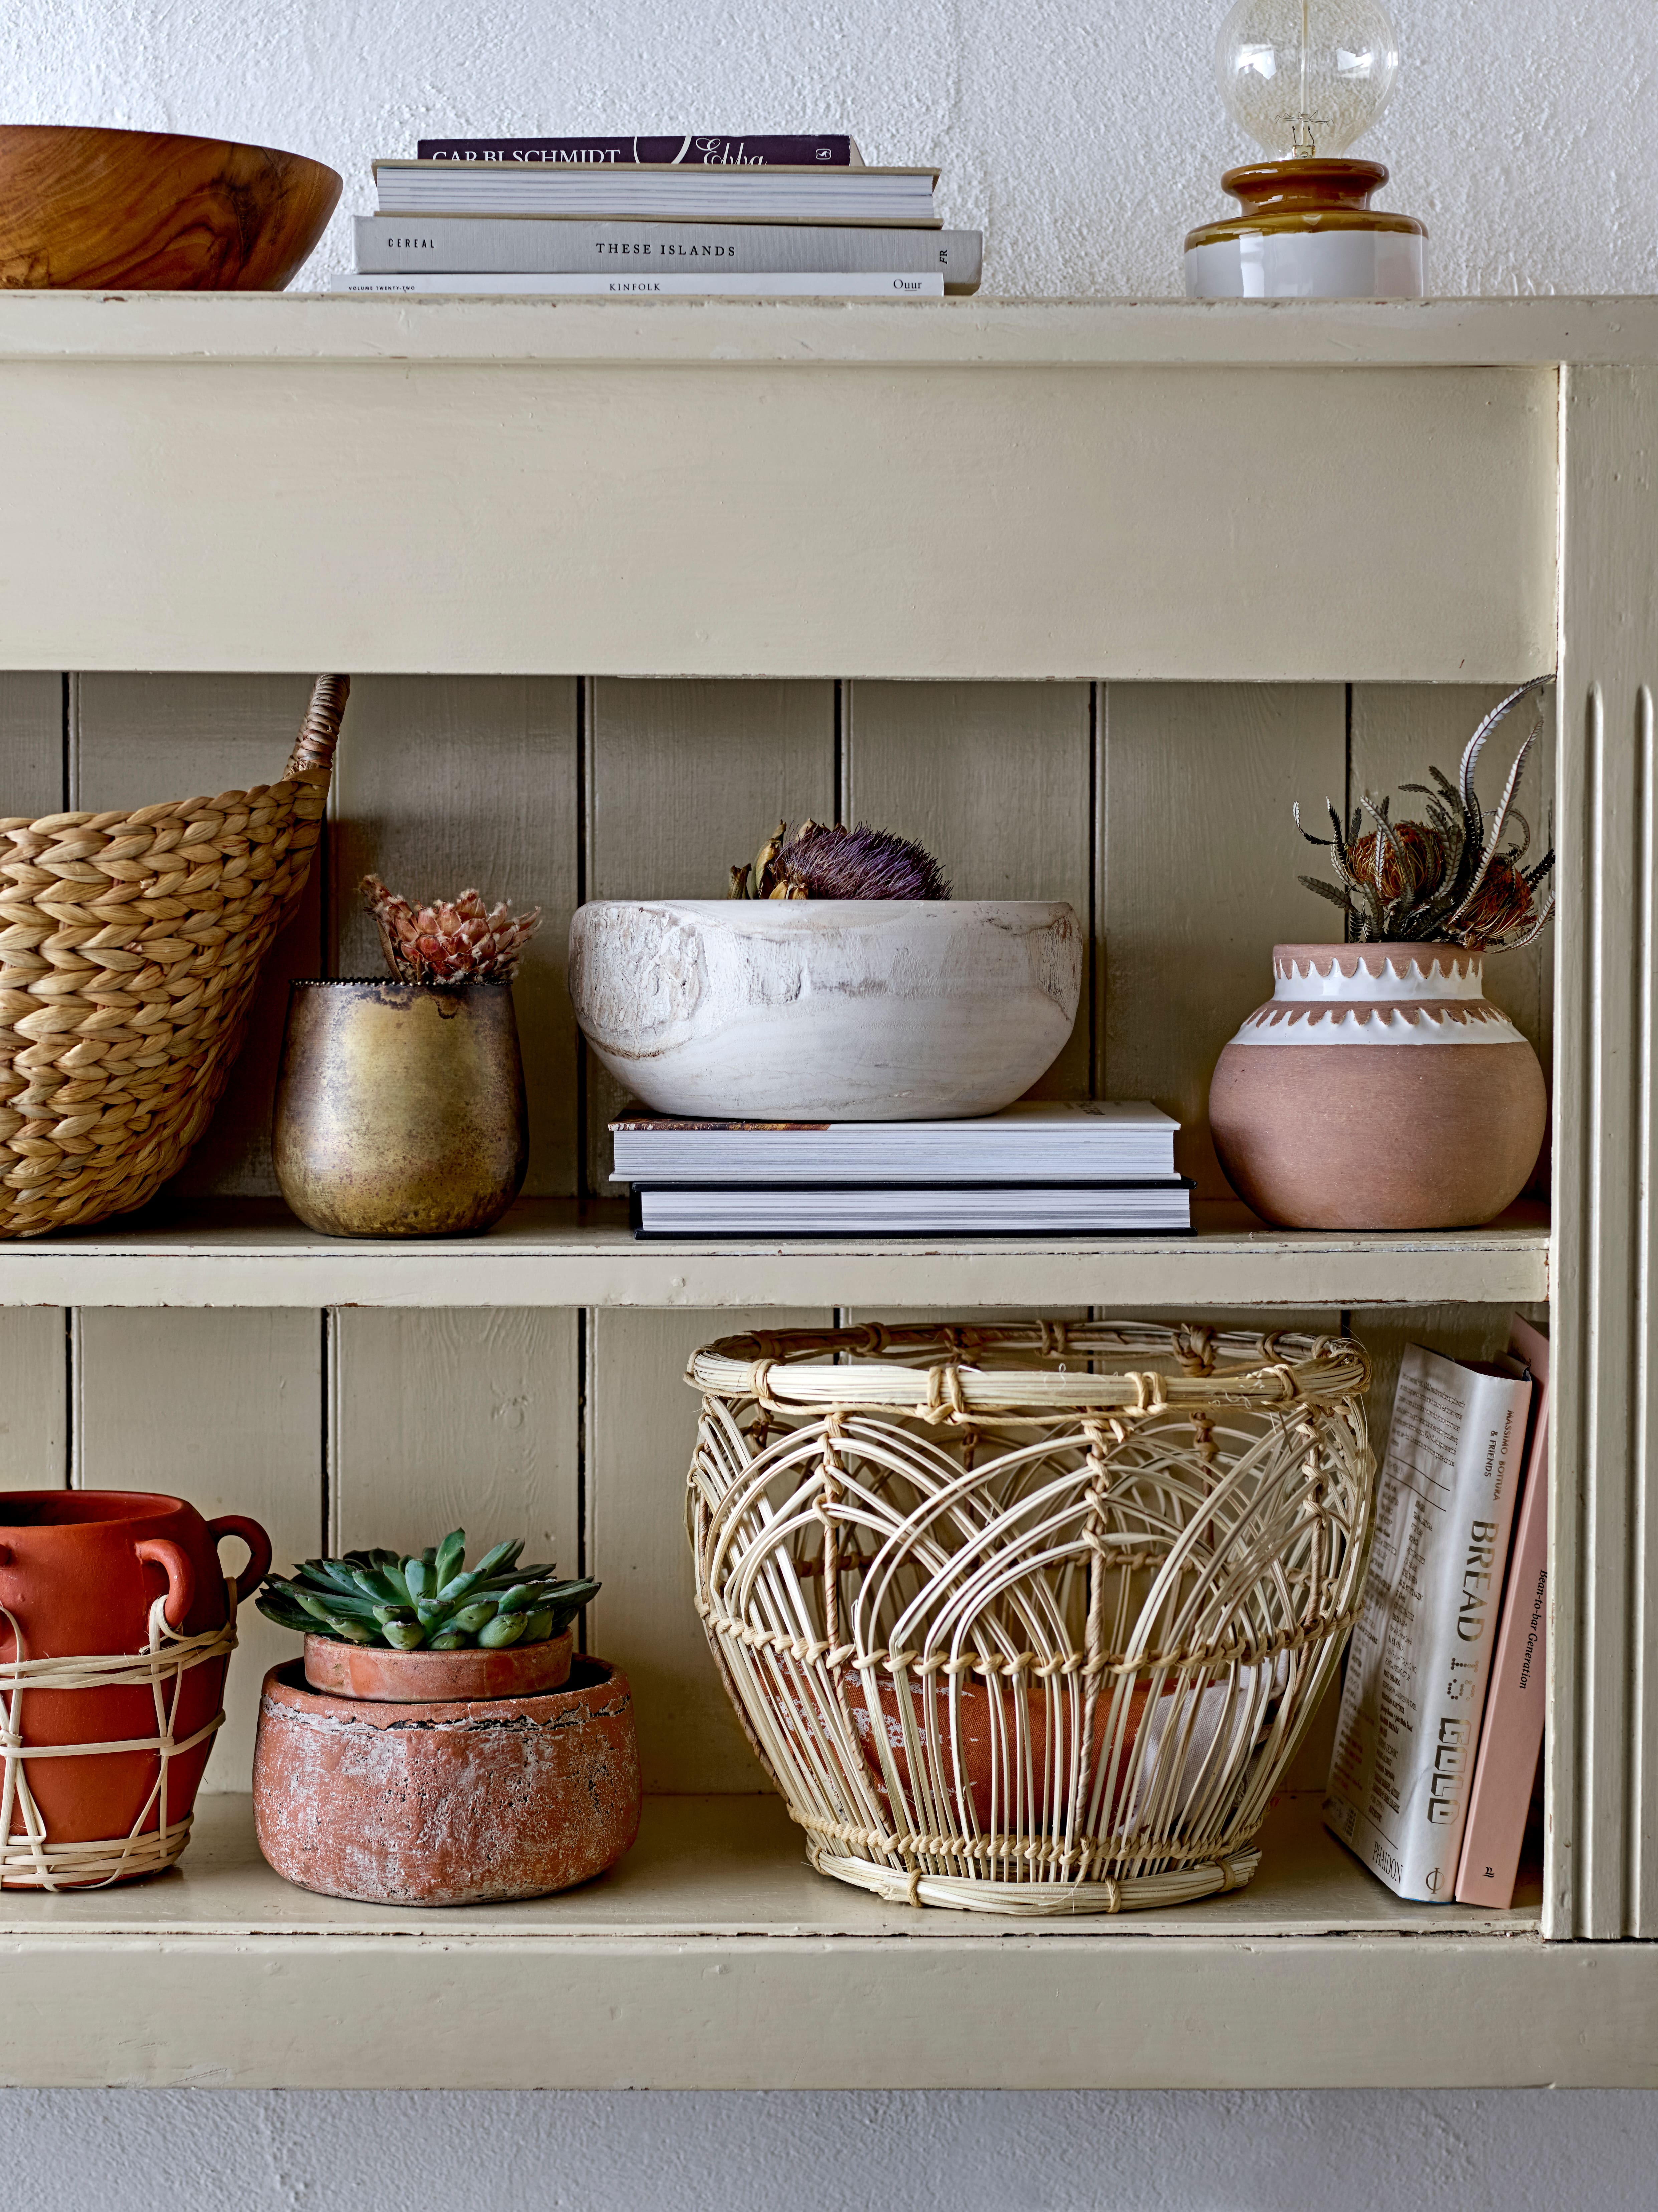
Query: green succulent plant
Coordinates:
[432,1602]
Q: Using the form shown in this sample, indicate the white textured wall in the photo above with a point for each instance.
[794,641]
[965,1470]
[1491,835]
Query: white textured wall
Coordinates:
[1085,136]
[204,2151]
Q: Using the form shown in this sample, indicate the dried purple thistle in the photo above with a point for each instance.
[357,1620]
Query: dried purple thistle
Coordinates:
[825,862]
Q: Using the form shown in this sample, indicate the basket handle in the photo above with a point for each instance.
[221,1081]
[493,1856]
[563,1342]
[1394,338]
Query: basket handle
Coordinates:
[320,732]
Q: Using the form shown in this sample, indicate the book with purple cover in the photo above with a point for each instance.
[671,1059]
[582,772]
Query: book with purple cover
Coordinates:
[696,149]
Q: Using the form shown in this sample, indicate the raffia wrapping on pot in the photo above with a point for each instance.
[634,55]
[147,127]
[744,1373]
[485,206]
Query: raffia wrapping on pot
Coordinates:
[29,1858]
[130,951]
[1029,1618]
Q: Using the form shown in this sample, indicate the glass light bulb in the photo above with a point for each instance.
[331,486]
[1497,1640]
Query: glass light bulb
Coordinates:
[1306,77]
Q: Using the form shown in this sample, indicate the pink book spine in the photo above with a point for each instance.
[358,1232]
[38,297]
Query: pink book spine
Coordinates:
[1512,1735]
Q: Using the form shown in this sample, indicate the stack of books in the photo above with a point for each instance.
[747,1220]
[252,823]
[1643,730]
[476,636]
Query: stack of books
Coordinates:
[1088,1170]
[1442,1711]
[756,216]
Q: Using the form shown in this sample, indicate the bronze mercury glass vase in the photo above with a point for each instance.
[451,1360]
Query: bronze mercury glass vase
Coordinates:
[400,1108]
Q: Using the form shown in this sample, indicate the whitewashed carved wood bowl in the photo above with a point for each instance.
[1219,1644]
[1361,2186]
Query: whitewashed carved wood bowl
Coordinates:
[826,1009]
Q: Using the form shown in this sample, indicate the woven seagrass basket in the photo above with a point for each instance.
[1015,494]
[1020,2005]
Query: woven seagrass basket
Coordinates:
[129,956]
[1029,1619]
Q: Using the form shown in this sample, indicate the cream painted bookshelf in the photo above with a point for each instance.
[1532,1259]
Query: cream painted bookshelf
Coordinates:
[1083,592]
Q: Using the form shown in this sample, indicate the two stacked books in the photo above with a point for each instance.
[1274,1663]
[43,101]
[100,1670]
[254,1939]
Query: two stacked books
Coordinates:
[1088,1169]
[754,216]
[1442,1711]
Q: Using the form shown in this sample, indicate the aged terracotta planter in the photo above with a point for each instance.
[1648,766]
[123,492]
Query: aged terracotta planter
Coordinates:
[1377,1089]
[425,1678]
[446,1803]
[79,1572]
[400,1108]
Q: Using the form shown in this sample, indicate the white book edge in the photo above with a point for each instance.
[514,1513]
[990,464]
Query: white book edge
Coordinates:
[1399,1779]
[873,283]
[1088,1141]
[1131,1210]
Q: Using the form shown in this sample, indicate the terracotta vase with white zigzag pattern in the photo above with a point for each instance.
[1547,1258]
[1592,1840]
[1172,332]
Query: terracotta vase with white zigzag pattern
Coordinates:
[1378,1088]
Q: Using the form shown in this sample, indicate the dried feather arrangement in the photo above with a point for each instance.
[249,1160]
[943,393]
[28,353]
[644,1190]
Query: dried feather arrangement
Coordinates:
[830,862]
[450,942]
[1449,878]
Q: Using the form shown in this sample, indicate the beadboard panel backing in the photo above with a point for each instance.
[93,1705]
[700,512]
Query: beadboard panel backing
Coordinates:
[445,783]
[134,740]
[33,1399]
[996,781]
[34,1388]
[460,1418]
[1195,879]
[642,1427]
[684,782]
[783,519]
[223,1409]
[32,742]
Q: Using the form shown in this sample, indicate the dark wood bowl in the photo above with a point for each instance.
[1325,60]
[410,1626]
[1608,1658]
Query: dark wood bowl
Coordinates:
[91,210]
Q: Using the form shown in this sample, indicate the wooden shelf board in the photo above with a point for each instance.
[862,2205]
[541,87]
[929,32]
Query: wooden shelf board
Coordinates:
[981,331]
[734,1867]
[1107,498]
[714,1957]
[562,1253]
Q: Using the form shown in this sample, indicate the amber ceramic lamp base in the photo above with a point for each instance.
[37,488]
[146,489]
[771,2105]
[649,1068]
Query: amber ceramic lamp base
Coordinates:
[1306,231]
[154,212]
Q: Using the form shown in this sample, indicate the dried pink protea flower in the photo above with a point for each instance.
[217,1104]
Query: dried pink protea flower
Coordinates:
[458,941]
[1450,878]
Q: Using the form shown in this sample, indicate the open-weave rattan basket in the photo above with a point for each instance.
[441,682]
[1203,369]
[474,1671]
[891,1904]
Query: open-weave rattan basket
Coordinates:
[1029,1619]
[130,951]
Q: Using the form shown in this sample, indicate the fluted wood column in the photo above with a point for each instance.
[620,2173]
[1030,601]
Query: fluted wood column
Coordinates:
[1602,1749]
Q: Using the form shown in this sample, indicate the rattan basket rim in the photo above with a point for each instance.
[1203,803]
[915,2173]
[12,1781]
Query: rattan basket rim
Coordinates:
[785,1368]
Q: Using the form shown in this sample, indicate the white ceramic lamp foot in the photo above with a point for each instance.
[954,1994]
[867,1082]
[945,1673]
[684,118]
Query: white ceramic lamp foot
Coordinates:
[1306,231]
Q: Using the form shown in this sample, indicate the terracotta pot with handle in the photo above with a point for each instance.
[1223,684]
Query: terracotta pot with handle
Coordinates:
[79,1572]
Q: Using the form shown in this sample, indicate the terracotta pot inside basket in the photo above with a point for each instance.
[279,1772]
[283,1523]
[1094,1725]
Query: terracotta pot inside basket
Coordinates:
[998,1751]
[79,1572]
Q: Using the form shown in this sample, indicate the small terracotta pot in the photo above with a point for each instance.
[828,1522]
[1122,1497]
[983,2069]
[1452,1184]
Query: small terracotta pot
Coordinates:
[425,1678]
[79,1572]
[1377,1089]
[447,1804]
[400,1108]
